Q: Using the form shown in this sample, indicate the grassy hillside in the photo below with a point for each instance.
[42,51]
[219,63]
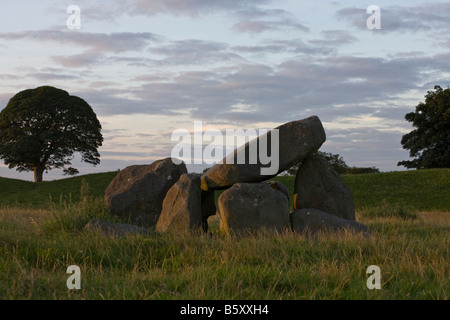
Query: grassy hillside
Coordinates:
[37,195]
[420,190]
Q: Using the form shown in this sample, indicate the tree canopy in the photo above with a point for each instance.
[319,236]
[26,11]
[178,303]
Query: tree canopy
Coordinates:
[42,128]
[429,143]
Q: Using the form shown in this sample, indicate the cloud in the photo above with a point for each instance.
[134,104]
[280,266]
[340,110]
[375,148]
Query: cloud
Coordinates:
[252,16]
[367,147]
[95,42]
[108,102]
[192,51]
[424,17]
[192,8]
[145,135]
[326,44]
[291,46]
[102,84]
[109,48]
[9,77]
[24,77]
[151,78]
[100,48]
[48,76]
[212,77]
[334,38]
[252,26]
[329,86]
[245,25]
[445,43]
[84,59]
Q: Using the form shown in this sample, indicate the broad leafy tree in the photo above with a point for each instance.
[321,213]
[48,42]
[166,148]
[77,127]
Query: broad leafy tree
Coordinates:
[429,143]
[41,129]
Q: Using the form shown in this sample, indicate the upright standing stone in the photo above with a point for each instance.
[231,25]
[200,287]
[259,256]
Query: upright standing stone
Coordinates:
[137,192]
[296,141]
[182,206]
[317,185]
[250,207]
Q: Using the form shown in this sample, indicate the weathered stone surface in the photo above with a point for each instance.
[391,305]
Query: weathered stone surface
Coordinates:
[182,206]
[114,229]
[297,140]
[317,185]
[137,192]
[277,185]
[312,221]
[249,207]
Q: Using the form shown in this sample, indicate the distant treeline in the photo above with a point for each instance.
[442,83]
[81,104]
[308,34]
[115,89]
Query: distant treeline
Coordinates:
[338,164]
[361,170]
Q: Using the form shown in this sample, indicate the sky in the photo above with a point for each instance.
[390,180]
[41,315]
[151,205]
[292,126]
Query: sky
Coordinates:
[148,68]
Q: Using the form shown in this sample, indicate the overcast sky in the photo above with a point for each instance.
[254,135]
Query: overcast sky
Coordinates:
[150,67]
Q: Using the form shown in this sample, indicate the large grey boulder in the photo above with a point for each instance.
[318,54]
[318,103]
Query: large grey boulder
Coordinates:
[113,229]
[310,220]
[317,185]
[250,207]
[182,206]
[137,192]
[297,140]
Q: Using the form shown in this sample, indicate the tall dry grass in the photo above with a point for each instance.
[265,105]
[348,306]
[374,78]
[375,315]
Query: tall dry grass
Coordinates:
[37,246]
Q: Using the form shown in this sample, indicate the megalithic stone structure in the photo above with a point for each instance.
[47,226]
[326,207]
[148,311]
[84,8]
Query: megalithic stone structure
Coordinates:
[287,145]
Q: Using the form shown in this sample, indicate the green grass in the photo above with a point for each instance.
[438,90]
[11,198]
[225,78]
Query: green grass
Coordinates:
[28,194]
[418,189]
[410,243]
[413,256]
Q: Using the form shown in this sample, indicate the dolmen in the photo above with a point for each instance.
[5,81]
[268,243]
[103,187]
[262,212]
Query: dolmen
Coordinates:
[164,196]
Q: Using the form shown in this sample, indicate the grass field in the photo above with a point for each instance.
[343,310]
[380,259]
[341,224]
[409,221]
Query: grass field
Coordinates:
[19,193]
[408,214]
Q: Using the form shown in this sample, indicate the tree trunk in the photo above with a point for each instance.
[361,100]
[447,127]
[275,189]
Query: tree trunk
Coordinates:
[38,171]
